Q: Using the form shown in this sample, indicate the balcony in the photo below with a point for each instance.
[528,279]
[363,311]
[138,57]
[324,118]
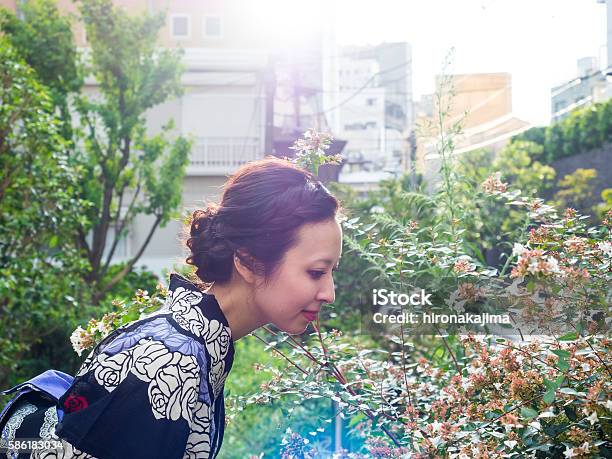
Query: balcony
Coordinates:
[223,155]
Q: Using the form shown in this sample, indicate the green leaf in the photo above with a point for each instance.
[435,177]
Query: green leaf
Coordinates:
[528,412]
[549,396]
[53,241]
[562,353]
[570,412]
[569,337]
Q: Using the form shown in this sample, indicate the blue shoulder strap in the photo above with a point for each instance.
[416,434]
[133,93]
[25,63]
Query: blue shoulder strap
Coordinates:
[52,383]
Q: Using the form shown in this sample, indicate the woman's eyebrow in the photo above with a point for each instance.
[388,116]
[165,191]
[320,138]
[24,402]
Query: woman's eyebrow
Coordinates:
[328,261]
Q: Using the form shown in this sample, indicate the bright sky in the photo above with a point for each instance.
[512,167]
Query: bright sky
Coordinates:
[537,41]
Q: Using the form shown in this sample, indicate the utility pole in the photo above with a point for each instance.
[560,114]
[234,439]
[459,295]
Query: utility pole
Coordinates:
[337,427]
[413,147]
[270,91]
[296,83]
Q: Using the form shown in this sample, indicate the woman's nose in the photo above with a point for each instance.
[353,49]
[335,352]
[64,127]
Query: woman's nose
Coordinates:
[328,293]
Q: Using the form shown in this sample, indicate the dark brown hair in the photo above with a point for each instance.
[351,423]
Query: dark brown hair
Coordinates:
[262,207]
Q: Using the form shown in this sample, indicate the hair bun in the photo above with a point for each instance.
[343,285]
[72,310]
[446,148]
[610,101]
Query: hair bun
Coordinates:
[211,252]
[202,220]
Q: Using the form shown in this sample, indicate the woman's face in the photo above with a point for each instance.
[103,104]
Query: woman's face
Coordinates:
[303,282]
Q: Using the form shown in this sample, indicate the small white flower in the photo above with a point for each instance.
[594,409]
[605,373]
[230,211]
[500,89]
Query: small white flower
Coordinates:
[553,265]
[77,340]
[518,249]
[569,452]
[536,425]
[510,443]
[435,426]
[533,266]
[103,328]
[593,418]
[605,247]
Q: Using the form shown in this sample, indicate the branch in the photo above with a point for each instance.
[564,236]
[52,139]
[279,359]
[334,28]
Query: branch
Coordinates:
[121,226]
[82,242]
[101,230]
[120,275]
[92,135]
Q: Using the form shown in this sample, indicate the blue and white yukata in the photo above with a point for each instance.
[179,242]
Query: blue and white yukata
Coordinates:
[151,389]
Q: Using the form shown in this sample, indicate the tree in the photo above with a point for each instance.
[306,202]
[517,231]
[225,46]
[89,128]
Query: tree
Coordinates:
[125,165]
[520,165]
[576,190]
[605,205]
[553,142]
[490,226]
[44,39]
[41,268]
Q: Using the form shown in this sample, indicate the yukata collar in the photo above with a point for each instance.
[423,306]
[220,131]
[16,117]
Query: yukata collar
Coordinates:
[209,304]
[199,314]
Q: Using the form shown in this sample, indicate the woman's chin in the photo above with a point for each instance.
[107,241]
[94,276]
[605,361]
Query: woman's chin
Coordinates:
[294,329]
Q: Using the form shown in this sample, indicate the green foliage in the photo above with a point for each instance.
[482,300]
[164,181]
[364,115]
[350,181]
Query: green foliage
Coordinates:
[575,189]
[41,269]
[605,205]
[470,395]
[58,189]
[584,129]
[45,41]
[137,278]
[534,134]
[521,166]
[462,396]
[490,227]
[127,172]
[125,166]
[259,428]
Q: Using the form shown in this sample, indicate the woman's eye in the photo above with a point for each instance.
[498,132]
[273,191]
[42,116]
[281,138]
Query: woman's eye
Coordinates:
[316,274]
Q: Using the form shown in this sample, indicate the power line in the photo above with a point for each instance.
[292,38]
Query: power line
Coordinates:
[356,93]
[253,115]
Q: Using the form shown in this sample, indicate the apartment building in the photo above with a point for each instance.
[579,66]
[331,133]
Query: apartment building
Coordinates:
[376,111]
[589,86]
[232,50]
[481,102]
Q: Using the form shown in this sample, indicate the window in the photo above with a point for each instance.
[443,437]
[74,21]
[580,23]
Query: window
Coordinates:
[180,26]
[211,26]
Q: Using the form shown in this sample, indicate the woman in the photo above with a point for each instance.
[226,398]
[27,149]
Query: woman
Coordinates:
[154,388]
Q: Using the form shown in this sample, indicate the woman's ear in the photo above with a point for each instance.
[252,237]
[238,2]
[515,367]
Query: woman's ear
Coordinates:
[242,261]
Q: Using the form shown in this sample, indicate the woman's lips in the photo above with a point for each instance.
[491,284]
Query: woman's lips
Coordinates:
[310,315]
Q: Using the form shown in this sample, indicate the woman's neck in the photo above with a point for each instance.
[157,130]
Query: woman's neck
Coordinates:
[235,300]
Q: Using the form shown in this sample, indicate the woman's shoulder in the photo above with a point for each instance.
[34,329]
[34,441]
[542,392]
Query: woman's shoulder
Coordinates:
[188,314]
[197,314]
[190,327]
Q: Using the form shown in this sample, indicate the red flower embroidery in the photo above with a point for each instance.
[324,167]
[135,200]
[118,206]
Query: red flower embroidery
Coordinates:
[75,403]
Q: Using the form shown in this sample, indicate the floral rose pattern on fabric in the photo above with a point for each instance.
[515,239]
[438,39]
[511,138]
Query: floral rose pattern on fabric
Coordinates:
[182,303]
[173,378]
[170,367]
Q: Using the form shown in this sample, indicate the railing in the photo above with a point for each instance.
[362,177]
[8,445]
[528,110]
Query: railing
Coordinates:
[222,155]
